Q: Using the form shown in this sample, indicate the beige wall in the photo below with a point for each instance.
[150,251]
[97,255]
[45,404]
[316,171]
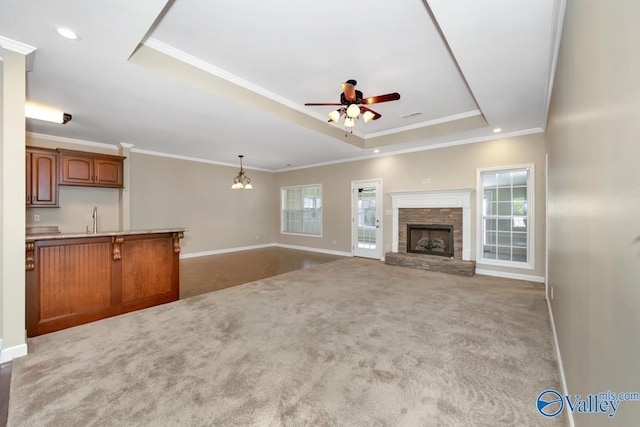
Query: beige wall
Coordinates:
[453,167]
[2,182]
[77,202]
[167,192]
[12,181]
[170,192]
[594,202]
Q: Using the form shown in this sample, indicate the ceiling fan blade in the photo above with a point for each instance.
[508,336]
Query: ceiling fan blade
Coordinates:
[320,103]
[376,115]
[381,98]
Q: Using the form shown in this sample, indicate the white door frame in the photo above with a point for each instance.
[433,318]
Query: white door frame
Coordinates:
[379,253]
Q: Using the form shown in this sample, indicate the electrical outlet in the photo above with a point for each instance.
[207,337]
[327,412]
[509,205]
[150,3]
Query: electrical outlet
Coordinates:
[88,217]
[334,241]
[426,180]
[36,218]
[257,237]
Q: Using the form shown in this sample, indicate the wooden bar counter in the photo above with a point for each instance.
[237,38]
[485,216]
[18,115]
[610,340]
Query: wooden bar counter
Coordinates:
[76,278]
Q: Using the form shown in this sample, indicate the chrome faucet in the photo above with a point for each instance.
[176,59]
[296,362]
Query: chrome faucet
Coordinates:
[95,219]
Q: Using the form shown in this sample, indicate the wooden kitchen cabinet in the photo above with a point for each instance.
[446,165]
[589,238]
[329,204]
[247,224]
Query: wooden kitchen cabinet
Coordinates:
[41,178]
[90,169]
[75,280]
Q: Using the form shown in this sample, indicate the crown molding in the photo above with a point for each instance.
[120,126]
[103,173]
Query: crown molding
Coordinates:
[452,118]
[423,148]
[72,141]
[351,159]
[16,46]
[559,9]
[219,72]
[28,51]
[195,159]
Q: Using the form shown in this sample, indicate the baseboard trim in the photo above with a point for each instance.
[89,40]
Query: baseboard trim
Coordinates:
[308,249]
[563,379]
[225,251]
[266,245]
[516,276]
[8,354]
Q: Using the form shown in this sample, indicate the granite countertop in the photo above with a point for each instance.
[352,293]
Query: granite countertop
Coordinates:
[58,235]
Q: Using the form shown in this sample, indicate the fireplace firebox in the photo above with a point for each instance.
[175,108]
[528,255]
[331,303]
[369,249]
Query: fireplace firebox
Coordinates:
[430,239]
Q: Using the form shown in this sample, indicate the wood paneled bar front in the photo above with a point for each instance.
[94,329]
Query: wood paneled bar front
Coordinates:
[74,279]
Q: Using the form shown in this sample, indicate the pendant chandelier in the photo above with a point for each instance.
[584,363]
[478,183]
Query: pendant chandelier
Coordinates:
[241,181]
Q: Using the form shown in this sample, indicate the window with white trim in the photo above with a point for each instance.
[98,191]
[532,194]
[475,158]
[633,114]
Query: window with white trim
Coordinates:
[505,198]
[302,210]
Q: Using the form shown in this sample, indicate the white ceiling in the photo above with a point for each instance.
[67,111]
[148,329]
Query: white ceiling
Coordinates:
[211,80]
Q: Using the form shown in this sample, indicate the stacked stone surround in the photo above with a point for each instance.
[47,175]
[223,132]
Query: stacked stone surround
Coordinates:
[444,216]
[432,263]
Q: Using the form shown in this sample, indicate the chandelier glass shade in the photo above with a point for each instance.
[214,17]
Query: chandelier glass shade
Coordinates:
[334,115]
[353,111]
[367,116]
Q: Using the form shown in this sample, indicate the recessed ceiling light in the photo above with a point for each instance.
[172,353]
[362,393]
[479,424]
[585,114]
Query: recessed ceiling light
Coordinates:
[497,130]
[376,151]
[67,33]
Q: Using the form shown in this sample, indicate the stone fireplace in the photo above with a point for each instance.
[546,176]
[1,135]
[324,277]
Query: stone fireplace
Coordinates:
[432,230]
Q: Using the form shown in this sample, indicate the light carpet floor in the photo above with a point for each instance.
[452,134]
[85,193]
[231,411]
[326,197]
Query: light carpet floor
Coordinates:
[352,342]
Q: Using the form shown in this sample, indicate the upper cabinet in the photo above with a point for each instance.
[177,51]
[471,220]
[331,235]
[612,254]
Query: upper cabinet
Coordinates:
[42,175]
[90,169]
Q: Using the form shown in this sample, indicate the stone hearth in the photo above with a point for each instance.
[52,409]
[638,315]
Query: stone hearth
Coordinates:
[432,263]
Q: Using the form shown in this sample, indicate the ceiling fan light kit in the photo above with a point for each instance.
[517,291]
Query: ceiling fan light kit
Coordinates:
[352,105]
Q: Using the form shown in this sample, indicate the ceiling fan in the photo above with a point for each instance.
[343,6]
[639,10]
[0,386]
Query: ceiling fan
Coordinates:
[352,105]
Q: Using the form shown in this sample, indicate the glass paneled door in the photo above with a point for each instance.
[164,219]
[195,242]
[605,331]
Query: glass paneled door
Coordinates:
[366,222]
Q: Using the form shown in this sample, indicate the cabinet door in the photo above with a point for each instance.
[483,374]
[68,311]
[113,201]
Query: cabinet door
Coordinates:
[28,178]
[43,179]
[108,172]
[76,170]
[149,268]
[70,285]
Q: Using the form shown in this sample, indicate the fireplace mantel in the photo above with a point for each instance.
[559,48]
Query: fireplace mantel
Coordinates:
[452,198]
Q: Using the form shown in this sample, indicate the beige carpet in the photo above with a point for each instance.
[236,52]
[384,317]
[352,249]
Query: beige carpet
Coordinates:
[349,343]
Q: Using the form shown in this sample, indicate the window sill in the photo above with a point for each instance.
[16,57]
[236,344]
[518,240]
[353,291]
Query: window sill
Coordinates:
[509,264]
[300,234]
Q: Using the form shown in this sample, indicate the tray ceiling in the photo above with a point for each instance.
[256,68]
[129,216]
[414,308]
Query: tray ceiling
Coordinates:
[212,80]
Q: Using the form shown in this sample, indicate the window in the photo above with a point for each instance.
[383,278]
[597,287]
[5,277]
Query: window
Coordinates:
[367,211]
[505,198]
[302,210]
